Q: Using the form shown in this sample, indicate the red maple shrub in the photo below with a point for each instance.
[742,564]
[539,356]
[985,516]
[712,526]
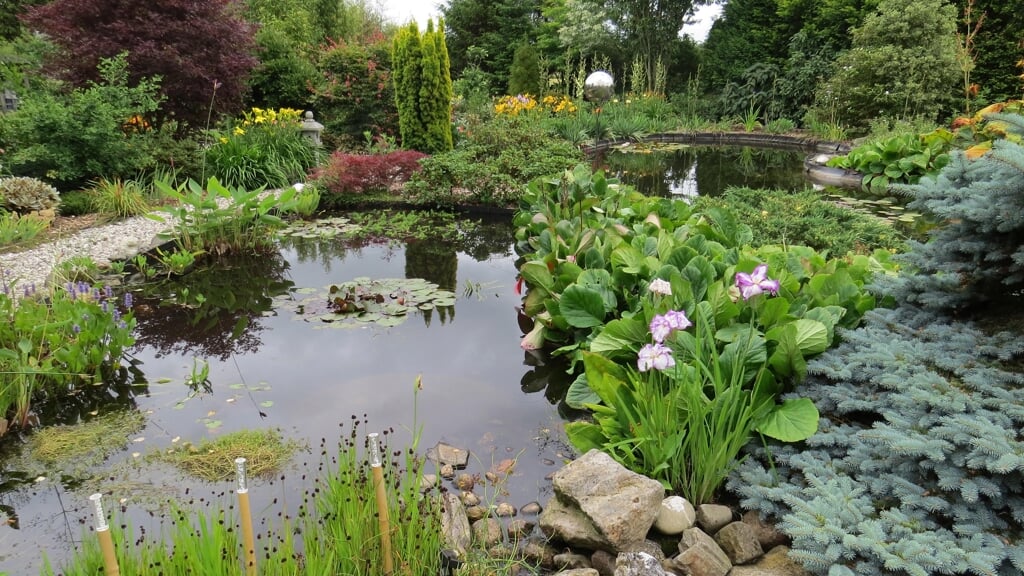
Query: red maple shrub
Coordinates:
[356,174]
[189,44]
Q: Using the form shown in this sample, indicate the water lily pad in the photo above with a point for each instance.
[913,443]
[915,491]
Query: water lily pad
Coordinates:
[324,228]
[365,301]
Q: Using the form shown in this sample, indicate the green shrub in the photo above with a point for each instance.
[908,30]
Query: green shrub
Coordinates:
[491,163]
[76,203]
[92,132]
[23,194]
[805,219]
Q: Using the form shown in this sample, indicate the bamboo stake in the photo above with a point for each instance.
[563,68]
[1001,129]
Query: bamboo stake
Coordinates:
[377,470]
[245,513]
[110,567]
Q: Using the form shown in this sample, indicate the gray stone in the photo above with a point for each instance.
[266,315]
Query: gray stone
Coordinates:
[530,509]
[447,471]
[504,510]
[604,562]
[775,563]
[487,532]
[739,541]
[699,555]
[712,517]
[675,515]
[447,454]
[649,547]
[455,529]
[578,572]
[470,499]
[520,529]
[465,482]
[767,534]
[638,564]
[570,560]
[570,525]
[539,552]
[428,481]
[475,513]
[620,504]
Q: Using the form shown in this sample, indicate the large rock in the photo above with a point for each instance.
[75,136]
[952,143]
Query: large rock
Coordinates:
[699,555]
[442,454]
[570,525]
[456,533]
[487,532]
[767,534]
[619,504]
[739,541]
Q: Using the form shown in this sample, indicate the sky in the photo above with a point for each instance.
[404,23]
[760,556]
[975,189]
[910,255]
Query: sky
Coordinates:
[400,11]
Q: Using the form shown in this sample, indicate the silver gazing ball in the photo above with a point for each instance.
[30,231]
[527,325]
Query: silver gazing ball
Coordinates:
[599,87]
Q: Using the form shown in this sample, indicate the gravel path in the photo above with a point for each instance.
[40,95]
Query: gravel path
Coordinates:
[116,241]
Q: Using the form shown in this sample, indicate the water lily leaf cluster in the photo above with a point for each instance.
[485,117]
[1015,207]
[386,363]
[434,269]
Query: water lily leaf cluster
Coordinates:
[321,229]
[364,301]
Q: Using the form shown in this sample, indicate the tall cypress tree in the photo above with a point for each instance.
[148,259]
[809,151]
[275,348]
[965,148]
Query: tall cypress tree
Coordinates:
[422,89]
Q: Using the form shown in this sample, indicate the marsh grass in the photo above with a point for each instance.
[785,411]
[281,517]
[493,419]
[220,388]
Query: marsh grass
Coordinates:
[119,198]
[266,451]
[15,229]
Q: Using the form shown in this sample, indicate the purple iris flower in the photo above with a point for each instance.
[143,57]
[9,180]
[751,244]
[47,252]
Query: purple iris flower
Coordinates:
[656,356]
[663,324]
[757,282]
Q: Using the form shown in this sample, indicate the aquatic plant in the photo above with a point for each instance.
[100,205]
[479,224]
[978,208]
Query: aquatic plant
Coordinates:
[50,342]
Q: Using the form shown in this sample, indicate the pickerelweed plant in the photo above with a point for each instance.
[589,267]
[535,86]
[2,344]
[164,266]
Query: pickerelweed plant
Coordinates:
[51,343]
[219,219]
[591,252]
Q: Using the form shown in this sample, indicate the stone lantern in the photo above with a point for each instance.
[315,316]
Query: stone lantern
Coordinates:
[311,129]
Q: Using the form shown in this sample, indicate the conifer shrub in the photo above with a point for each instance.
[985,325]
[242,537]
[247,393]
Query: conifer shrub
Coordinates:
[918,464]
[977,255]
[423,88]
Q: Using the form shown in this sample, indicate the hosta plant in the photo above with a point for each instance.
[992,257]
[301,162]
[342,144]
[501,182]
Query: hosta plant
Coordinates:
[900,159]
[23,194]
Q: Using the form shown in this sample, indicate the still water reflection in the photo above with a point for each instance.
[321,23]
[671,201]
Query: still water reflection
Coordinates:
[684,171]
[270,367]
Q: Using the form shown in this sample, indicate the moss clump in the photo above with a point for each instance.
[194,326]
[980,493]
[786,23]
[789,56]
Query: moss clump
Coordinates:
[87,443]
[265,451]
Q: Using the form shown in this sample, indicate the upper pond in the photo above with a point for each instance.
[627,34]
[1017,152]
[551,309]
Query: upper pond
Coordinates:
[676,170]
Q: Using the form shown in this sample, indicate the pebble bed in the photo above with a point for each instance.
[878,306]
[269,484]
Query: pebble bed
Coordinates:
[120,240]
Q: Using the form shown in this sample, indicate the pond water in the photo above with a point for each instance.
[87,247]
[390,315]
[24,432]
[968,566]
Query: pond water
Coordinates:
[684,171]
[273,367]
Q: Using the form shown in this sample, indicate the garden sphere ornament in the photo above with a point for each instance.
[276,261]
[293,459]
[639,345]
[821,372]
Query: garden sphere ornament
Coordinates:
[599,87]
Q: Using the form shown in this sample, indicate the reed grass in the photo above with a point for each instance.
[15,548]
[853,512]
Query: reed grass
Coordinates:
[335,532]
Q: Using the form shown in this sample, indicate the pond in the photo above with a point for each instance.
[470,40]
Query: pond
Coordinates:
[685,171]
[274,364]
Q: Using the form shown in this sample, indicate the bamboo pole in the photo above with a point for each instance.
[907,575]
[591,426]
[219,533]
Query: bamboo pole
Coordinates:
[377,470]
[110,567]
[245,513]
